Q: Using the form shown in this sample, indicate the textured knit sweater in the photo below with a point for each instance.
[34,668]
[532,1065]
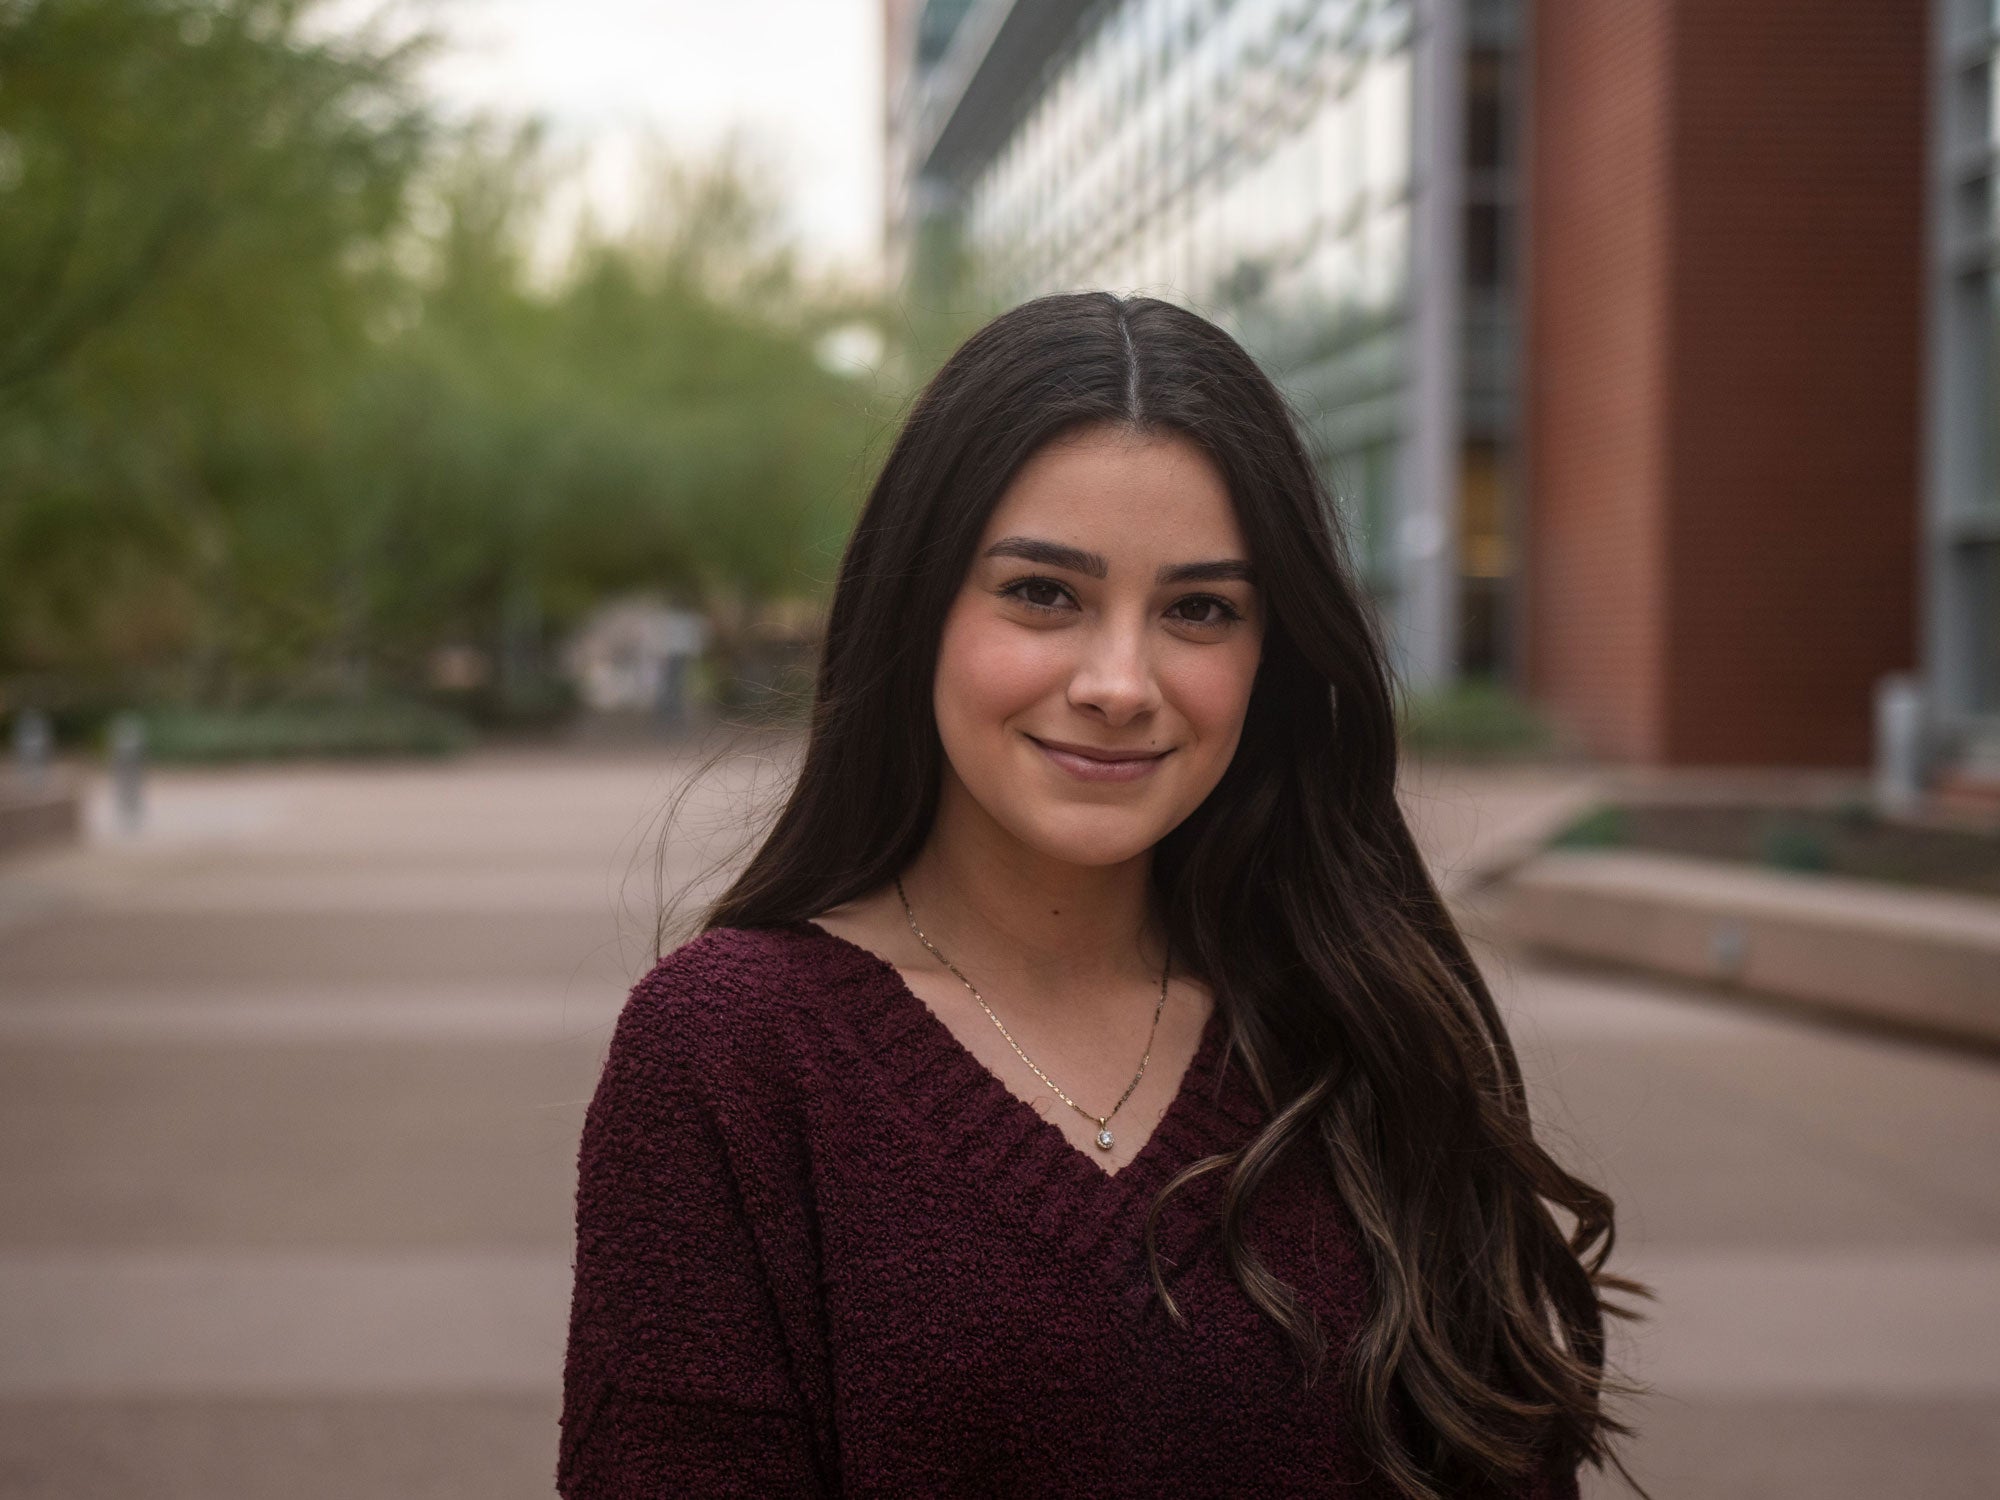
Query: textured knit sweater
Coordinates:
[822,1250]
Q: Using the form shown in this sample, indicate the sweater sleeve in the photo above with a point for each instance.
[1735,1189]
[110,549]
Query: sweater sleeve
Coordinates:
[677,1379]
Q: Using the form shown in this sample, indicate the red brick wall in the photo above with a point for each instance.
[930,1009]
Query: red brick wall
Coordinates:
[1594,382]
[1724,277]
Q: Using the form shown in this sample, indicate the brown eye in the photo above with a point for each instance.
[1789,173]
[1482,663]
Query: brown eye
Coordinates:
[1208,610]
[1037,593]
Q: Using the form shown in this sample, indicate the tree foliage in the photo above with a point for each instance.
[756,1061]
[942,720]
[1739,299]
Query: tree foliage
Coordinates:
[286,402]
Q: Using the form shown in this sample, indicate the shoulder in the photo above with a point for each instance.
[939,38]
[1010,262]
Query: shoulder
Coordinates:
[725,969]
[736,1001]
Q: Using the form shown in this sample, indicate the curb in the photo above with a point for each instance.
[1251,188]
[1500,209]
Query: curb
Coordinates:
[1913,960]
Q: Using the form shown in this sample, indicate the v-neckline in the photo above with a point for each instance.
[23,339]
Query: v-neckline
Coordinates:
[1200,1117]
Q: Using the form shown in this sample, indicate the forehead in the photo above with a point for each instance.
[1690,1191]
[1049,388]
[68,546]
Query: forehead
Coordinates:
[1125,495]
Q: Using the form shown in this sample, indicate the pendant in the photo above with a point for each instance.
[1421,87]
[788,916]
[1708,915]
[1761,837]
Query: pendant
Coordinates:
[1104,1141]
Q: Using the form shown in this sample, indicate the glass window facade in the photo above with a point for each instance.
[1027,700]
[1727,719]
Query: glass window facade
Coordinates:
[1963,502]
[1215,152]
[1259,160]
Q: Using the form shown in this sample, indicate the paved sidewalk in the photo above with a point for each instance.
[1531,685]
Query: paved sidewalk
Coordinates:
[290,1086]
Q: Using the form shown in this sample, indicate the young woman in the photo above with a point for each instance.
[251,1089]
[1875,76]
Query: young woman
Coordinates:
[1083,1090]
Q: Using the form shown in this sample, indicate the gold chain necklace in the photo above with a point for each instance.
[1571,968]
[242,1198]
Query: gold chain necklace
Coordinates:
[1105,1140]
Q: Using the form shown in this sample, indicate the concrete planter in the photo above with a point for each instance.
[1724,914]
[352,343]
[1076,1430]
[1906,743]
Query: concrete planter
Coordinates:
[1917,959]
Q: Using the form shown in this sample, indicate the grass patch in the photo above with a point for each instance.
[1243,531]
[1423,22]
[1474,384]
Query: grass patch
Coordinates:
[1603,827]
[1837,839]
[1476,719]
[301,730]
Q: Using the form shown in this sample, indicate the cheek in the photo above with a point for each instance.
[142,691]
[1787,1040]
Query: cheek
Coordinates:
[989,670]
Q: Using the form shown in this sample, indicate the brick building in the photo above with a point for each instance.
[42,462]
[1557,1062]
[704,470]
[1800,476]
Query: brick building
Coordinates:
[1721,373]
[1648,344]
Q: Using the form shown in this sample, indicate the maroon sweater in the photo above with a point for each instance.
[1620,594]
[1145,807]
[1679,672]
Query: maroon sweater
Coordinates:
[821,1250]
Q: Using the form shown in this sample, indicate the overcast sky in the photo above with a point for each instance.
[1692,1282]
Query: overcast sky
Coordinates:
[802,76]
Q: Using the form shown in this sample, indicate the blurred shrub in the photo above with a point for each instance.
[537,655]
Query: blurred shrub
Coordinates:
[385,727]
[1473,719]
[1791,845]
[1602,827]
[530,701]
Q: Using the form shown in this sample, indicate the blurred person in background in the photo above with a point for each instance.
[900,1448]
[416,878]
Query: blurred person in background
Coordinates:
[1084,1089]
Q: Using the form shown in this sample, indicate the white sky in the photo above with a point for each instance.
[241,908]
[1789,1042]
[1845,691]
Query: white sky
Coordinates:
[802,78]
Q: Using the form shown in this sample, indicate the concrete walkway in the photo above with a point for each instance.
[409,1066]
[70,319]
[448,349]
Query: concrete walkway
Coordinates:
[290,1084]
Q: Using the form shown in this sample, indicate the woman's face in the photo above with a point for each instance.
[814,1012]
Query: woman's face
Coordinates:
[1096,664]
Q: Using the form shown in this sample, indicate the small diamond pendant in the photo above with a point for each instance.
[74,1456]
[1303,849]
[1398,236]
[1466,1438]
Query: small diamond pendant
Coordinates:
[1104,1142]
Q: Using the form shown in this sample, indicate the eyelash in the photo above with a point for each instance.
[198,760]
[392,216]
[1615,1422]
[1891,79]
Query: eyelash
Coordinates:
[1229,615]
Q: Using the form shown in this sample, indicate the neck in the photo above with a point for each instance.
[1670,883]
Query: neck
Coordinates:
[1024,919]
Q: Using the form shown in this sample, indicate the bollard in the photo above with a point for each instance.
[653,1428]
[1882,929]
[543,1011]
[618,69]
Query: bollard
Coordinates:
[671,705]
[34,742]
[1901,743]
[128,769]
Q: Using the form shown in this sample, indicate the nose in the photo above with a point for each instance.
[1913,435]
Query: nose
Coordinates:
[1114,675]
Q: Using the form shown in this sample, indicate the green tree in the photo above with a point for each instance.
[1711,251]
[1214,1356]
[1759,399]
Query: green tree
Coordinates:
[287,403]
[194,203]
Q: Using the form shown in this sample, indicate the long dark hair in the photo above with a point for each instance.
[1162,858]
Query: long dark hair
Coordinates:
[1294,891]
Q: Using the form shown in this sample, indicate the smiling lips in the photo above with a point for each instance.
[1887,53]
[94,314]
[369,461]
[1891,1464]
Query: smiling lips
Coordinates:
[1088,763]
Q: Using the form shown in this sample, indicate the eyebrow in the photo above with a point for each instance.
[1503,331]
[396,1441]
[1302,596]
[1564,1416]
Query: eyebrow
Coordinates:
[1091,564]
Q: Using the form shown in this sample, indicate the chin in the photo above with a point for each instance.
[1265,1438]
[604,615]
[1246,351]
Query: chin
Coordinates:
[1095,843]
